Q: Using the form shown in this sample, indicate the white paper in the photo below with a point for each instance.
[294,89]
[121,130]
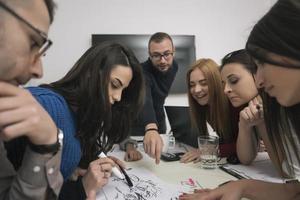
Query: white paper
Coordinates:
[262,168]
[146,186]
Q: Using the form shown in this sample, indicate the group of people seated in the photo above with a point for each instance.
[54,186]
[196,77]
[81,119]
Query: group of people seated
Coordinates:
[51,135]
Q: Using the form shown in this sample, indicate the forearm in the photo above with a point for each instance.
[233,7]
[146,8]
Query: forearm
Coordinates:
[259,190]
[246,144]
[38,177]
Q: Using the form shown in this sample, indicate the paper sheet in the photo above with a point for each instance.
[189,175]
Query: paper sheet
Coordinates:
[261,169]
[146,186]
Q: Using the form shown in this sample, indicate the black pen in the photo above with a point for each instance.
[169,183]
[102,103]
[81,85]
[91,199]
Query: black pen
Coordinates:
[224,183]
[130,184]
[232,173]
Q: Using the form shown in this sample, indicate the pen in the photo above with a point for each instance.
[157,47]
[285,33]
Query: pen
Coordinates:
[114,170]
[130,184]
[232,173]
[224,183]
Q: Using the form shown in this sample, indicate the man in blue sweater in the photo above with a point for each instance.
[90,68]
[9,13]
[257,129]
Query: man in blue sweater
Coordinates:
[159,71]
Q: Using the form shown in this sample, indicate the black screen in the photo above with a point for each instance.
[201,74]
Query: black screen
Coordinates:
[181,125]
[184,55]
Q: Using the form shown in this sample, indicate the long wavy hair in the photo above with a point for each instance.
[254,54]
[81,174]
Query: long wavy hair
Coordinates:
[216,112]
[85,88]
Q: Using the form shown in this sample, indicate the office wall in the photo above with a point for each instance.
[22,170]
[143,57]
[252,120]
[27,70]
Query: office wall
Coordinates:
[220,26]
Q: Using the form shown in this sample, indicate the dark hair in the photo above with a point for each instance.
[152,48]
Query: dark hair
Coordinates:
[217,111]
[242,57]
[159,37]
[85,88]
[278,32]
[51,8]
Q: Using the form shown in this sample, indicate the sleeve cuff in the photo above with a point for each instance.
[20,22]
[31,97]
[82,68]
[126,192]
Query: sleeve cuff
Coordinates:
[42,170]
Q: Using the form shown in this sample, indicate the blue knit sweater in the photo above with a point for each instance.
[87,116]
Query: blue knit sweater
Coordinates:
[64,119]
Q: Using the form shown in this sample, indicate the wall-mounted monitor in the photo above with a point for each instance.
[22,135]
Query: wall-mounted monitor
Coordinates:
[185,52]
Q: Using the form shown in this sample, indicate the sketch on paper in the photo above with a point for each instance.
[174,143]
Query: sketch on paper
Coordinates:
[146,186]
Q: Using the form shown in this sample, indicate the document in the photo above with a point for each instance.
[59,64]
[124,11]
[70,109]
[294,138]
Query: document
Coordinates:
[260,169]
[146,185]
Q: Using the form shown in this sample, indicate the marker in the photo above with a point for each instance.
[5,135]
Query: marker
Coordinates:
[258,107]
[114,170]
[224,183]
[232,173]
[130,184]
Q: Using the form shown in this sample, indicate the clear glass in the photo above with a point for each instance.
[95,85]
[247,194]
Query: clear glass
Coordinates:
[209,148]
[168,141]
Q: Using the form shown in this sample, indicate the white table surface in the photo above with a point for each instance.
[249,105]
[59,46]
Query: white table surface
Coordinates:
[175,172]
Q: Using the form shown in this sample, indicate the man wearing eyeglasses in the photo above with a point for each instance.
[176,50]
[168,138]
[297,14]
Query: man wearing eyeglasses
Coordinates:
[159,70]
[23,40]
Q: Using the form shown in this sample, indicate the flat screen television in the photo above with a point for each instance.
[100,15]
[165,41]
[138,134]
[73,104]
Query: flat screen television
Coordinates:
[185,52]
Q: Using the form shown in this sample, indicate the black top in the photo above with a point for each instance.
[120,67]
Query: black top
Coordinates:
[158,85]
[72,190]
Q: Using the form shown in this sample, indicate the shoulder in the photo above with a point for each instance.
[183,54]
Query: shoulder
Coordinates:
[53,102]
[44,93]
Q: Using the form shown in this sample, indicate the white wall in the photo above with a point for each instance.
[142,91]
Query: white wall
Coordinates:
[220,26]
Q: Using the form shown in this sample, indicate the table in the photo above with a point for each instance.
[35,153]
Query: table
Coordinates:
[175,172]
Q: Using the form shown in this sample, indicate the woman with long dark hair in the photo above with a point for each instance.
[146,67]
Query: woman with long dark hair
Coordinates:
[94,105]
[237,70]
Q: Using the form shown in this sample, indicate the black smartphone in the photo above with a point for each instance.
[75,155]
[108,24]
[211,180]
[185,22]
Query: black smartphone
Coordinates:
[171,156]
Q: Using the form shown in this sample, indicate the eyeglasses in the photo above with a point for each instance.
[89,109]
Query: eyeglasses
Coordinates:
[46,44]
[158,56]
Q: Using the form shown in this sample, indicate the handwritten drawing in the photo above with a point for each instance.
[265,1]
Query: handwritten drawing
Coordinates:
[146,186]
[141,190]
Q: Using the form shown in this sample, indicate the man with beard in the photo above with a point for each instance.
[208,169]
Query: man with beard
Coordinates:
[159,70]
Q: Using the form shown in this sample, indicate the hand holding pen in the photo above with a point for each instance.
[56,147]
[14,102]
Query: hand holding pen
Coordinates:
[97,176]
[116,171]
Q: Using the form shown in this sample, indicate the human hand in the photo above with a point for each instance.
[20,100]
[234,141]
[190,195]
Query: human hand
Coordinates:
[262,147]
[117,162]
[132,154]
[153,145]
[97,176]
[230,191]
[22,115]
[252,115]
[193,155]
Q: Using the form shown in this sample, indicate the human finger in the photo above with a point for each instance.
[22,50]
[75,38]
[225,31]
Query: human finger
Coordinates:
[249,114]
[127,157]
[158,149]
[152,148]
[117,161]
[244,115]
[190,156]
[7,89]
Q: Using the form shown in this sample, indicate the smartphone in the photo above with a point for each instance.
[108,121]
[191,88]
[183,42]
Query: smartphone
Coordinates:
[171,156]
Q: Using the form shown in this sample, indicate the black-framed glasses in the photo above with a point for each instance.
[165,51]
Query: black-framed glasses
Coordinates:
[158,56]
[46,42]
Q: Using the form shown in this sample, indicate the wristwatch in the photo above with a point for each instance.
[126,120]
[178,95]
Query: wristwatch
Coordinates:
[48,148]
